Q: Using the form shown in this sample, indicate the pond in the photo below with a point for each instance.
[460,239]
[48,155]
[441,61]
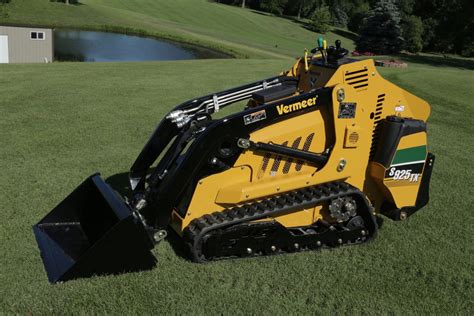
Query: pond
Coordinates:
[75,45]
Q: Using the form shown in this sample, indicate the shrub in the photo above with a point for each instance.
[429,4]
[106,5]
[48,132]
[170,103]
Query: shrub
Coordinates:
[339,16]
[413,34]
[273,6]
[381,31]
[321,20]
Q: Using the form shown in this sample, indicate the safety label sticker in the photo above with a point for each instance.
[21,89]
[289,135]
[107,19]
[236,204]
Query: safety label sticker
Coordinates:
[255,117]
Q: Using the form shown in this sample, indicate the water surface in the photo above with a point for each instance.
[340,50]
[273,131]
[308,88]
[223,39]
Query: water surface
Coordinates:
[75,45]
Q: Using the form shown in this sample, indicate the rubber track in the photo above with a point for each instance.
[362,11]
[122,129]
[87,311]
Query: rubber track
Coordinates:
[273,206]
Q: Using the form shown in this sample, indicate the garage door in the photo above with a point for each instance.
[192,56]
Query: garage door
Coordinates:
[3,49]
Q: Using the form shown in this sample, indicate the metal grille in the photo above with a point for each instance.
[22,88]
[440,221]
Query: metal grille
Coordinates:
[358,79]
[377,126]
[286,167]
[265,162]
[276,163]
[353,137]
[306,145]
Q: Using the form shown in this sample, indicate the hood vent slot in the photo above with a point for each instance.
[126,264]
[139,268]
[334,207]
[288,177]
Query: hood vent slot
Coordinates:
[286,167]
[277,162]
[359,79]
[307,144]
[377,126]
[288,162]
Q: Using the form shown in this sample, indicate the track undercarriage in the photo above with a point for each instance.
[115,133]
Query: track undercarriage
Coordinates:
[232,233]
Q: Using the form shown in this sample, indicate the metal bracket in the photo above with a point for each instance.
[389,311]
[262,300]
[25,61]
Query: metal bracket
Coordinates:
[244,143]
[216,103]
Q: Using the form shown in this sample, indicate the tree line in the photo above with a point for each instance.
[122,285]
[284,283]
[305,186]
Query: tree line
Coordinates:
[385,26]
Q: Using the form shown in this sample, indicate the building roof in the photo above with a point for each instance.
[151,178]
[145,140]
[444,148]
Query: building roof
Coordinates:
[30,26]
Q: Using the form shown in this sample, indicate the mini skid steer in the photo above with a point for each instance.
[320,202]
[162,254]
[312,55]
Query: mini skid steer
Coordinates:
[311,158]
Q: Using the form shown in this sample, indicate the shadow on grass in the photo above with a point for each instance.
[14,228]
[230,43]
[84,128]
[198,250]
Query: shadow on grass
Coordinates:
[379,219]
[178,245]
[439,61]
[71,2]
[119,182]
[306,24]
[263,13]
[301,22]
[346,34]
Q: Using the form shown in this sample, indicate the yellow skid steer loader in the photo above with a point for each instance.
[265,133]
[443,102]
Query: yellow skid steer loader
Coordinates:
[310,160]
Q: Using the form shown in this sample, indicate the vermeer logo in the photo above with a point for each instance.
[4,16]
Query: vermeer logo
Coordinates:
[285,109]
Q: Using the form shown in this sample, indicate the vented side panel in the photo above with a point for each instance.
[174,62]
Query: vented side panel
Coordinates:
[377,126]
[288,162]
[358,79]
[307,144]
[276,163]
[265,162]
[354,138]
[286,167]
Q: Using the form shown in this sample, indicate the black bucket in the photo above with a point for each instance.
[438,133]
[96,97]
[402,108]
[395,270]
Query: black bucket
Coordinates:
[92,232]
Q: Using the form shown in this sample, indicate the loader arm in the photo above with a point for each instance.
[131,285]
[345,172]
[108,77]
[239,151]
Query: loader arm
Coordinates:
[179,118]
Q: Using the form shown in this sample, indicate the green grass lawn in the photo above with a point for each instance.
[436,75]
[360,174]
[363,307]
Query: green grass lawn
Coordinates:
[61,122]
[240,31]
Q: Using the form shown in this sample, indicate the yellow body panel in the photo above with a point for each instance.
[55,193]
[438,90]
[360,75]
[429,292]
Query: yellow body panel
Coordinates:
[255,176]
[302,218]
[402,191]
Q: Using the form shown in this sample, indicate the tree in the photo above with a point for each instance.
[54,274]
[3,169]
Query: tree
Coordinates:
[306,7]
[357,12]
[413,33]
[300,5]
[338,14]
[405,7]
[381,31]
[448,25]
[273,6]
[429,31]
[321,20]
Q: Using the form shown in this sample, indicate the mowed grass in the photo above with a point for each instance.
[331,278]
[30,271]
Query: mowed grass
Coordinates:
[62,122]
[241,32]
